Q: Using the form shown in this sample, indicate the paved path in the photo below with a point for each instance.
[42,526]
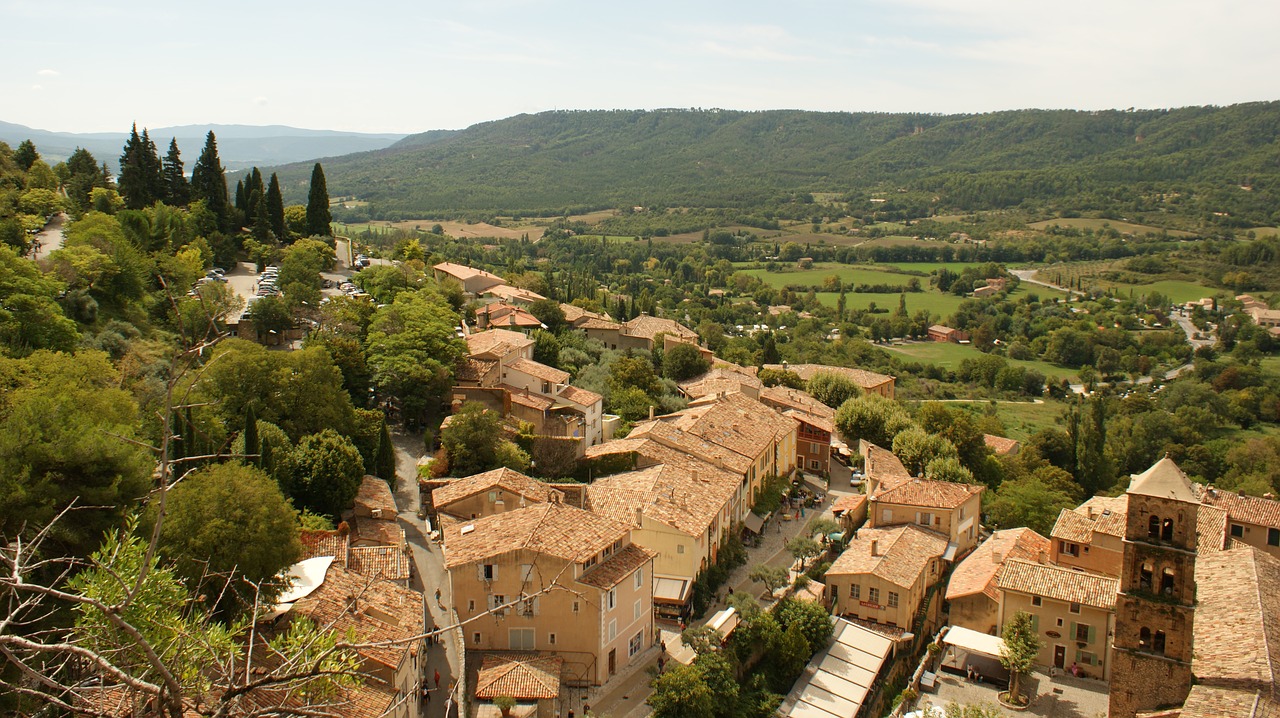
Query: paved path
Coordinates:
[429,575]
[51,237]
[1027,275]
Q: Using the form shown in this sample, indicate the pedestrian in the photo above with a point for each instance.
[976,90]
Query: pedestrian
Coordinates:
[570,713]
[437,595]
[437,678]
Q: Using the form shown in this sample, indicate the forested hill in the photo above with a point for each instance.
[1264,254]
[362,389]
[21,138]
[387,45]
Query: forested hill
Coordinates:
[725,158]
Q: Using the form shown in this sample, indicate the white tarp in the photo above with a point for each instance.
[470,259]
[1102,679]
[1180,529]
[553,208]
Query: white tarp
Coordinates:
[969,640]
[304,577]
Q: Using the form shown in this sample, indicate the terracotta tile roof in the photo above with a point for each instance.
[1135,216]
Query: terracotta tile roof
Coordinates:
[594,323]
[503,478]
[685,494]
[523,676]
[552,528]
[1211,528]
[847,503]
[649,327]
[383,532]
[375,494]
[501,314]
[818,422]
[734,421]
[928,494]
[1244,508]
[462,272]
[658,435]
[902,554]
[861,377]
[527,398]
[573,313]
[474,370]
[389,563]
[540,371]
[514,293]
[722,378]
[580,396]
[882,467]
[1073,526]
[1001,445]
[496,342]
[1215,702]
[618,566]
[1061,584]
[1111,513]
[324,543]
[800,406]
[1238,638]
[977,572]
[383,612]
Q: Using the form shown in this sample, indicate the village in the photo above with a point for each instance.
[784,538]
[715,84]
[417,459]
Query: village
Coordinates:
[566,599]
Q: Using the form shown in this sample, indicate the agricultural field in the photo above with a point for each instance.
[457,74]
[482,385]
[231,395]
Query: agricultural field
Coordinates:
[451,227]
[1177,290]
[1100,224]
[942,305]
[949,356]
[849,274]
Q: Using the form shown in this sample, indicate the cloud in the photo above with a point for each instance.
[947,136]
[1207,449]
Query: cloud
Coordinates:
[48,73]
[36,88]
[259,101]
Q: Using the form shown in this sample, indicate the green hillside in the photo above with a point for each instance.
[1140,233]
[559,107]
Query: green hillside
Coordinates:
[718,158]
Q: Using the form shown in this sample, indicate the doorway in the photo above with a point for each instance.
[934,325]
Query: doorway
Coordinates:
[613,661]
[1060,656]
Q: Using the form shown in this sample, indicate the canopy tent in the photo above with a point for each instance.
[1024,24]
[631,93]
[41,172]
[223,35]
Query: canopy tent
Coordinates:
[973,642]
[968,649]
[725,621]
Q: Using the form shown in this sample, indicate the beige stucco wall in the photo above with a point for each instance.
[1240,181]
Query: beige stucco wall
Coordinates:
[976,612]
[1105,555]
[909,597]
[1056,616]
[679,554]
[1253,534]
[959,525]
[484,504]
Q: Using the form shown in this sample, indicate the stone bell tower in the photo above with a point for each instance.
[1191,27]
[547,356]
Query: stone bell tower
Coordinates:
[1155,607]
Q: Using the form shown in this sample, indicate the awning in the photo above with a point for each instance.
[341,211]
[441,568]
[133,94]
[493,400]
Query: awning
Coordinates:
[950,553]
[974,642]
[836,536]
[725,621]
[671,589]
[754,522]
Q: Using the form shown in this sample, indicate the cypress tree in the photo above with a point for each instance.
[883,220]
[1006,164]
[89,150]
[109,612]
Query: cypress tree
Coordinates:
[176,190]
[152,169]
[385,459]
[261,219]
[318,216]
[26,155]
[133,185]
[209,182]
[251,443]
[254,184]
[275,207]
[242,199]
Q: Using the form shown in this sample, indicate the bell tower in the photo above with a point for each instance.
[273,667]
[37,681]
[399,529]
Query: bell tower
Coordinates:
[1155,607]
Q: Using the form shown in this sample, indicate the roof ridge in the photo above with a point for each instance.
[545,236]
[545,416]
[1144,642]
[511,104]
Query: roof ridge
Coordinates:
[1262,605]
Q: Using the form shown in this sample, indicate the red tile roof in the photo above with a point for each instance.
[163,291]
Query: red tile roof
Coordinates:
[1244,508]
[554,529]
[523,676]
[1061,584]
[503,478]
[928,494]
[902,553]
[977,572]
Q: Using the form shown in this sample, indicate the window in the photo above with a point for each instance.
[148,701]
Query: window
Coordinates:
[1084,633]
[1153,527]
[613,629]
[873,595]
[1166,582]
[813,464]
[521,639]
[551,639]
[611,599]
[471,605]
[589,563]
[1166,530]
[475,638]
[1037,601]
[893,599]
[1068,548]
[1237,530]
[488,572]
[1075,608]
[1144,639]
[886,515]
[635,644]
[1157,643]
[638,581]
[1273,537]
[680,548]
[495,601]
[576,608]
[924,518]
[1145,576]
[1086,658]
[855,591]
[526,572]
[636,610]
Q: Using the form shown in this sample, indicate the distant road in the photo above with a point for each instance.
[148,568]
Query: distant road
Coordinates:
[1026,275]
[50,238]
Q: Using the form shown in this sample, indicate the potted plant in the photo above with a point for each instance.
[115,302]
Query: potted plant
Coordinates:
[505,704]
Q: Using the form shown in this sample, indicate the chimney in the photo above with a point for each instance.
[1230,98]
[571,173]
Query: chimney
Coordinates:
[997,556]
[1044,557]
[693,475]
[651,412]
[639,514]
[1089,511]
[875,547]
[1241,493]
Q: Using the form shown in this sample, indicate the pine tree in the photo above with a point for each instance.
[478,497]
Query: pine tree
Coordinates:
[385,458]
[275,208]
[209,182]
[242,199]
[25,155]
[261,219]
[251,443]
[176,190]
[254,184]
[133,186]
[152,169]
[318,216]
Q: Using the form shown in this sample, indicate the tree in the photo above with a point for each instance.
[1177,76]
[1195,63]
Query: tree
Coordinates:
[318,216]
[683,361]
[787,657]
[385,461]
[411,350]
[177,191]
[270,315]
[275,209]
[1021,647]
[209,183]
[25,155]
[141,182]
[471,440]
[915,448]
[773,577]
[325,473]
[682,692]
[252,446]
[803,548]
[872,417]
[832,389]
[548,312]
[229,529]
[948,468]
[814,620]
[1029,502]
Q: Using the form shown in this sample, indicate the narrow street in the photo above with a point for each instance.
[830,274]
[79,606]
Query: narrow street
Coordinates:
[429,575]
[50,238]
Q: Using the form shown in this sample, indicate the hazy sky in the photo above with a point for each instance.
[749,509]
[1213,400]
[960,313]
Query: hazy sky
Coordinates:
[389,66]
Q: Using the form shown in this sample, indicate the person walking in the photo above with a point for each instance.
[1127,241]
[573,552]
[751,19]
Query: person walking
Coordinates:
[437,679]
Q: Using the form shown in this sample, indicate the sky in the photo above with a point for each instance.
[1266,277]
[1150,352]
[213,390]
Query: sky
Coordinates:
[411,66]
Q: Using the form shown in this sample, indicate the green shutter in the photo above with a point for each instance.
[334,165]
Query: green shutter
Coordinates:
[1035,623]
[1092,634]
[1073,631]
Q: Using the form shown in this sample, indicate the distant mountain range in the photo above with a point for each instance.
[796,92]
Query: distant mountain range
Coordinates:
[239,146]
[725,158]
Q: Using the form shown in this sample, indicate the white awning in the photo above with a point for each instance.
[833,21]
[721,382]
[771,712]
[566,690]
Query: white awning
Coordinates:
[671,589]
[839,678]
[950,553]
[725,621]
[974,642]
